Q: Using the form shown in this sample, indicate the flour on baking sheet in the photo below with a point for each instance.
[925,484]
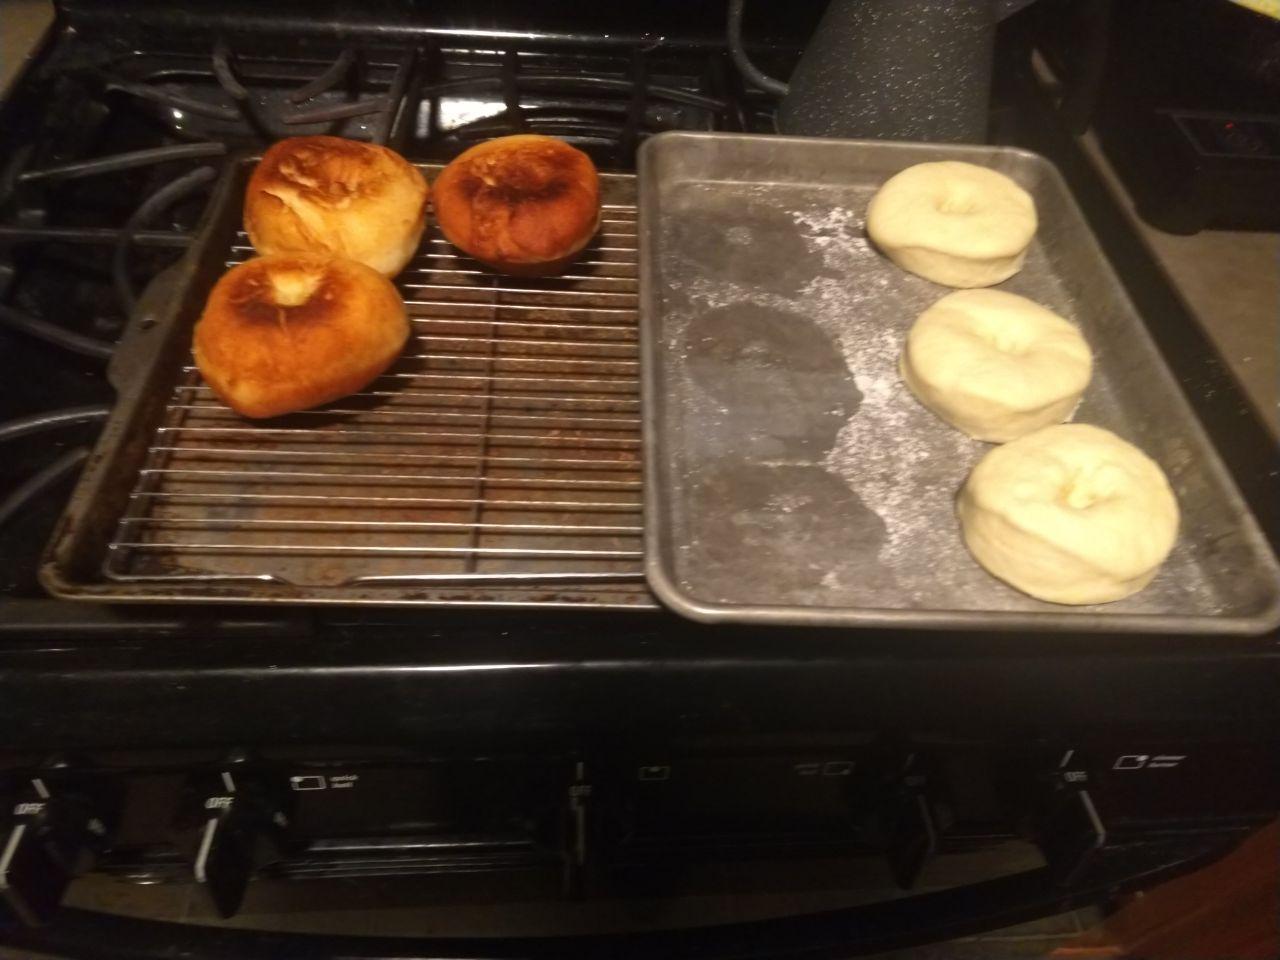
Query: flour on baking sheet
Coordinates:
[904,464]
[896,455]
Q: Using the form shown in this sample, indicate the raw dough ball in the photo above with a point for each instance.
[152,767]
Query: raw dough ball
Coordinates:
[954,223]
[1070,513]
[995,365]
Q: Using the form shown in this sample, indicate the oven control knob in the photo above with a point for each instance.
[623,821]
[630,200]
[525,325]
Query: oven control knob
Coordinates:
[56,831]
[241,826]
[892,803]
[1068,827]
[579,833]
[913,837]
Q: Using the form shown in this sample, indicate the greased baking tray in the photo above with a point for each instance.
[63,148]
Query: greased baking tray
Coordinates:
[496,463]
[791,477]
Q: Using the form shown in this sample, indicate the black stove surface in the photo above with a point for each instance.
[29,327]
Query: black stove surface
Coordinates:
[117,132]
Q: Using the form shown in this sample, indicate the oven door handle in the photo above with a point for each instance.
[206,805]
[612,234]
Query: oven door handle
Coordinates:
[884,925]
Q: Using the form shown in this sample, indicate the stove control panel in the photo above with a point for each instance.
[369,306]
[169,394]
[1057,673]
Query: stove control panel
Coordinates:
[589,823]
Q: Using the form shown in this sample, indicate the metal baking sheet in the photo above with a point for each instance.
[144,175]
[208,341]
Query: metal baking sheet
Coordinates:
[791,477]
[496,463]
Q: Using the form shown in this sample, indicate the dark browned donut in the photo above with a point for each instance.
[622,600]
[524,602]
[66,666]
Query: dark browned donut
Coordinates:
[288,332]
[525,204]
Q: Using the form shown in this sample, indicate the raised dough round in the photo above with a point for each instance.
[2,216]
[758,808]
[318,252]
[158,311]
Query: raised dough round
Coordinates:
[1071,514]
[994,364]
[954,223]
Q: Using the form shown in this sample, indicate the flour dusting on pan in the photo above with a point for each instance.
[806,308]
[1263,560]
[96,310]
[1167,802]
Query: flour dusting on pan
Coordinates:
[756,518]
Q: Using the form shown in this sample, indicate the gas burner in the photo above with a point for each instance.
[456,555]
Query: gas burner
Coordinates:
[606,107]
[251,100]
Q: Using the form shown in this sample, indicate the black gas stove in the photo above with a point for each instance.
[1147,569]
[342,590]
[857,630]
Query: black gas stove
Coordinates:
[597,753]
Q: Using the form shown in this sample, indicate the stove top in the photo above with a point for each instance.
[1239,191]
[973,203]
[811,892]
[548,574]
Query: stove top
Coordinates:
[608,738]
[119,130]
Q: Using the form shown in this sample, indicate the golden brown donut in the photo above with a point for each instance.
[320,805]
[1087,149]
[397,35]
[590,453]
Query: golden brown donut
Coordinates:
[525,204]
[341,197]
[292,331]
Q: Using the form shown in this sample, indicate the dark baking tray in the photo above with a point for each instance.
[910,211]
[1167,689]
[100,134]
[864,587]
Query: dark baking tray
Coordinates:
[790,475]
[497,463]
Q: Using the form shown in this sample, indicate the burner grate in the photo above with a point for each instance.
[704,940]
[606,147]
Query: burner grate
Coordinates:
[498,462]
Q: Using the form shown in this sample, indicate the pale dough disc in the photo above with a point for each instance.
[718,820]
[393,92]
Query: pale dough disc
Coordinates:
[1071,514]
[995,365]
[954,223]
